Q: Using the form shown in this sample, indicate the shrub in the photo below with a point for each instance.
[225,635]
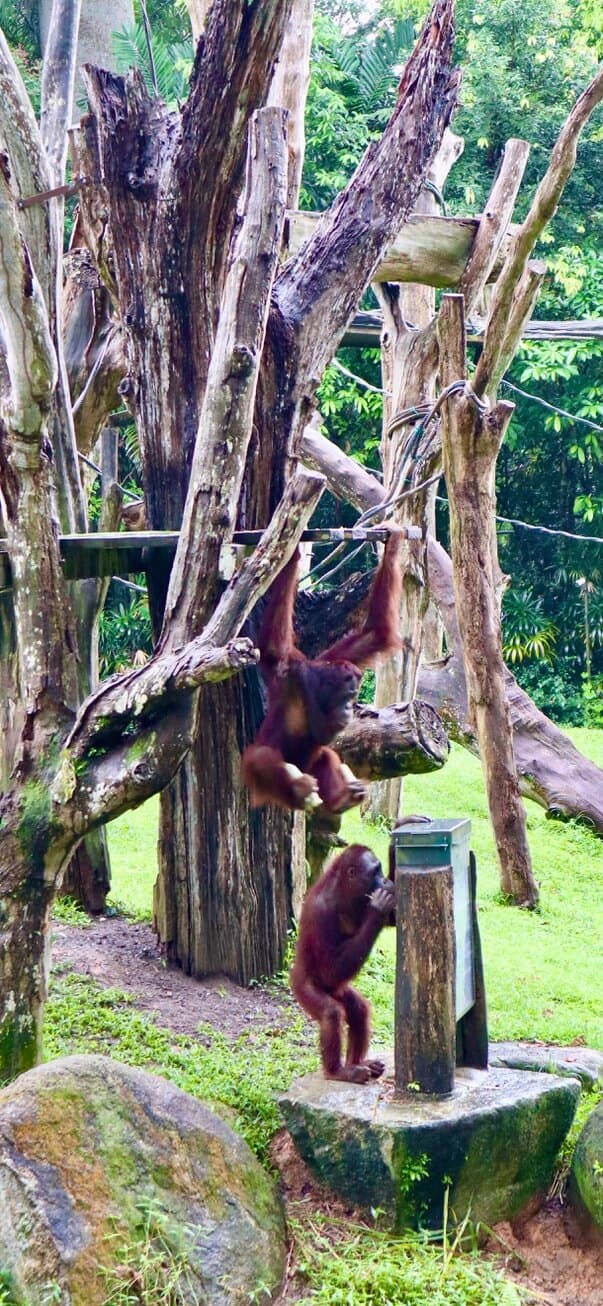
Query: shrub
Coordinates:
[552,691]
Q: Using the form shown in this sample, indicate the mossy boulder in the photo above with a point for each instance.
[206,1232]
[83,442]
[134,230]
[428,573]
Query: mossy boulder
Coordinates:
[490,1146]
[586,1177]
[111,1176]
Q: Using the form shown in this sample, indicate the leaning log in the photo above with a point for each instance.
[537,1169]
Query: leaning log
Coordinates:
[551,770]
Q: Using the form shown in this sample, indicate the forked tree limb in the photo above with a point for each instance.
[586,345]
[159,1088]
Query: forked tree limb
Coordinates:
[542,209]
[471,440]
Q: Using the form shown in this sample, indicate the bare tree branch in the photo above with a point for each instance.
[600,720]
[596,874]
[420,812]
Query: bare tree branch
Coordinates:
[494,221]
[20,138]
[267,560]
[226,418]
[500,350]
[543,207]
[58,78]
[29,350]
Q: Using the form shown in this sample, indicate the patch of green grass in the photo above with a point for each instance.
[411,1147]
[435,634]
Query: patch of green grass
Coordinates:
[133,848]
[349,1263]
[148,1271]
[69,912]
[245,1074]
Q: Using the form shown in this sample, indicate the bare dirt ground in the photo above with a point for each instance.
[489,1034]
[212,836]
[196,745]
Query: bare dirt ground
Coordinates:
[122,954]
[544,1254]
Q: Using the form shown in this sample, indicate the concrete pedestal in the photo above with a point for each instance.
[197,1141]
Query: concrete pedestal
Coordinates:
[492,1142]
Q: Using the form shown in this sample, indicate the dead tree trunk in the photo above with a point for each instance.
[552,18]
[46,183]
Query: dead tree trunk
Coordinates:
[75,772]
[219,859]
[409,381]
[472,436]
[170,213]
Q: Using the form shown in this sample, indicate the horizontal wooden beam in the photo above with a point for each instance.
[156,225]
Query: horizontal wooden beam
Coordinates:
[364,331]
[432,251]
[120,553]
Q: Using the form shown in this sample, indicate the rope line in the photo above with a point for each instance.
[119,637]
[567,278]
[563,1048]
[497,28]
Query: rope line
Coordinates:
[367,385]
[545,530]
[407,414]
[552,407]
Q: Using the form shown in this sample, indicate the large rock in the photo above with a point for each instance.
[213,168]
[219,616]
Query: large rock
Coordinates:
[586,1177]
[492,1143]
[585,1064]
[109,1174]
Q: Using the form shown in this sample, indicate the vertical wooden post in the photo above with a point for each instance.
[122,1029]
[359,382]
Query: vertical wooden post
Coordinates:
[425,1019]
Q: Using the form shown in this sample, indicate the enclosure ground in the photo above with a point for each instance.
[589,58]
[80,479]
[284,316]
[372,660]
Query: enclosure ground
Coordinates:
[542,1254]
[123,954]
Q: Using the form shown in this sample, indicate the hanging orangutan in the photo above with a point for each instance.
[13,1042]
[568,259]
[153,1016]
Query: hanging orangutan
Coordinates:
[311,699]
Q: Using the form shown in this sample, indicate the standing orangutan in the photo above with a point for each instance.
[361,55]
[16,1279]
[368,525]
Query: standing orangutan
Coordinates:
[311,700]
[341,917]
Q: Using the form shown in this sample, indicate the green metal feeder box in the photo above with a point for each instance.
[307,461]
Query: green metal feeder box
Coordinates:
[440,997]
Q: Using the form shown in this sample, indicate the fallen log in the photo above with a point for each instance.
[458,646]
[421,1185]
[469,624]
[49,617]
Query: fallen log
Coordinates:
[402,739]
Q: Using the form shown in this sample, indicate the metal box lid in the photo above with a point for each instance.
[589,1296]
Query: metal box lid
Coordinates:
[438,843]
[427,833]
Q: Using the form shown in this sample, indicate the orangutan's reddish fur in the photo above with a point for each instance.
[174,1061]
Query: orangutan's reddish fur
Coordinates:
[340,920]
[311,700]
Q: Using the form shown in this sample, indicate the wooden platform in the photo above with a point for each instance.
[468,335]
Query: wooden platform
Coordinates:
[364,331]
[121,553]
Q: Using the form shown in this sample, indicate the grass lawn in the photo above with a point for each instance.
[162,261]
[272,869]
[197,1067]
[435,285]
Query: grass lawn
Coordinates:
[543,968]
